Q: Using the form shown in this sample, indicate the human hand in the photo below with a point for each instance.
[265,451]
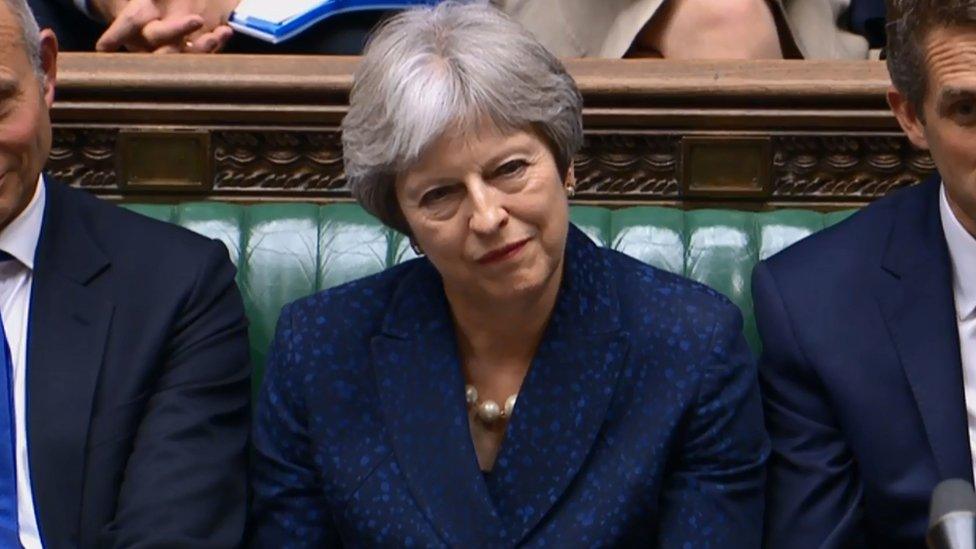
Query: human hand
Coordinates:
[208,42]
[106,10]
[165,26]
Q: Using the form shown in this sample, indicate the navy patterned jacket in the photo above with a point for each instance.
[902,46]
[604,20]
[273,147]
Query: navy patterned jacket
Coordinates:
[639,422]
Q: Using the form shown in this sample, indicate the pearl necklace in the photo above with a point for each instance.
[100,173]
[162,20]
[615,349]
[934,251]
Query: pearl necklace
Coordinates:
[488,411]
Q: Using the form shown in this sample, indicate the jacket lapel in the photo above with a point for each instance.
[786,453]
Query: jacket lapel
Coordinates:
[421,390]
[915,295]
[566,395]
[67,331]
[561,408]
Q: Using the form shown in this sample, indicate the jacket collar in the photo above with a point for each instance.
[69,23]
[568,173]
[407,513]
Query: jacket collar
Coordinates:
[68,328]
[66,244]
[587,301]
[569,384]
[916,300]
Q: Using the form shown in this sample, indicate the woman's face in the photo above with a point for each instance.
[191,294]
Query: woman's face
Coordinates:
[489,209]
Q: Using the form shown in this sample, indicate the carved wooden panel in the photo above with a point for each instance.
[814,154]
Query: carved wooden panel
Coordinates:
[626,167]
[846,167]
[621,166]
[293,161]
[84,158]
[810,133]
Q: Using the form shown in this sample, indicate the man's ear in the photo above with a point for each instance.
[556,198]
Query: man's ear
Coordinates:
[908,119]
[49,64]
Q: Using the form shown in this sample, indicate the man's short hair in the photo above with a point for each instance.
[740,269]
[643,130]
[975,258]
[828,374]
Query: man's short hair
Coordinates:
[29,31]
[909,23]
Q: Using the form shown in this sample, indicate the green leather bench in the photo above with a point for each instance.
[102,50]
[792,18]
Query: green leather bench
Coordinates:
[286,251]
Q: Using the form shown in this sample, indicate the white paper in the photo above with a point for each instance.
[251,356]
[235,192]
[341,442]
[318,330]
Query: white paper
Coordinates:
[277,11]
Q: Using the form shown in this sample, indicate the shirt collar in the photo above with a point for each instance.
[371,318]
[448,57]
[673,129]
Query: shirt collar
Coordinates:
[20,237]
[962,251]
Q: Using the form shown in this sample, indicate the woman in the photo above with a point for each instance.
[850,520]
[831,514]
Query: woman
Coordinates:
[517,384]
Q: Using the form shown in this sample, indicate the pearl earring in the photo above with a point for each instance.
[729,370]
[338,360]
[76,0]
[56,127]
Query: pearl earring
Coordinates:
[570,192]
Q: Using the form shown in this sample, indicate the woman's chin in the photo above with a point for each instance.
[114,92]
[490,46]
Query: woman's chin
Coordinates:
[515,287]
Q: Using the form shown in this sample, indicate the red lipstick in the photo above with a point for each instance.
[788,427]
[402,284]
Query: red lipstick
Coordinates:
[502,253]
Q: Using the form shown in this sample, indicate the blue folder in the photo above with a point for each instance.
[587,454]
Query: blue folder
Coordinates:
[279,31]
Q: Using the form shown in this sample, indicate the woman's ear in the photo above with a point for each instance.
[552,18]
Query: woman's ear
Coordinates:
[569,181]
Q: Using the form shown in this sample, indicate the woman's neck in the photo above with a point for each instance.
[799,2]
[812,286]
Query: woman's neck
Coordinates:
[498,338]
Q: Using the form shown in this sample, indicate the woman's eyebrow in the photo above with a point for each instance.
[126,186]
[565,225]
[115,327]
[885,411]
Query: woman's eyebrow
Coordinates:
[505,151]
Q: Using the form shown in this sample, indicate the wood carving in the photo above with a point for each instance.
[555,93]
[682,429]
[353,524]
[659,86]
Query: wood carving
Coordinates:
[307,161]
[641,166]
[84,157]
[272,128]
[619,167]
[845,167]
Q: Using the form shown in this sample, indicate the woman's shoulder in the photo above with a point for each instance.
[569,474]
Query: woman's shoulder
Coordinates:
[658,285]
[647,292]
[354,305]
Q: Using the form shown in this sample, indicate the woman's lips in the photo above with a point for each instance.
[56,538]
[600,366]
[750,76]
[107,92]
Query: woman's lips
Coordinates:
[503,253]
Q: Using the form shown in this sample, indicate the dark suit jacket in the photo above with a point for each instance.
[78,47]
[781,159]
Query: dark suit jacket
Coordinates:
[861,377]
[137,382]
[639,421]
[868,19]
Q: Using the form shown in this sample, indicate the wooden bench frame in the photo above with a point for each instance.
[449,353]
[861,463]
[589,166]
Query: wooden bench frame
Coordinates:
[747,135]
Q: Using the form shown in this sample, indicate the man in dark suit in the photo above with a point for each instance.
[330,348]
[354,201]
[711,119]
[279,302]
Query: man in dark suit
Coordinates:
[124,378]
[869,328]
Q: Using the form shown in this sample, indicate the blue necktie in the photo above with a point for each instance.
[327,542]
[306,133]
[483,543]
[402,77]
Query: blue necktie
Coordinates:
[9,526]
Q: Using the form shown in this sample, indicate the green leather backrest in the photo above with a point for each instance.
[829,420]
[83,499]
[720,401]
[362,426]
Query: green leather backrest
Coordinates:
[286,251]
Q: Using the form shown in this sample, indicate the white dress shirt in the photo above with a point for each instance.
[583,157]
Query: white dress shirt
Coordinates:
[19,239]
[962,253]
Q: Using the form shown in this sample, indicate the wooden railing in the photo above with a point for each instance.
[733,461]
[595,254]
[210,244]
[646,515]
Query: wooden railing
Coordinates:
[748,135]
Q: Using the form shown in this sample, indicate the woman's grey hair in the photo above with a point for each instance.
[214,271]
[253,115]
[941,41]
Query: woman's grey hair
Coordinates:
[430,70]
[30,33]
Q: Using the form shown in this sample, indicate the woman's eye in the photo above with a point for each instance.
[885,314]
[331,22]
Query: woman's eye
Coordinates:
[510,168]
[436,194]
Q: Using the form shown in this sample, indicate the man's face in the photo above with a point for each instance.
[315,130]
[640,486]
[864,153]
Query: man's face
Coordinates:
[25,125]
[946,127]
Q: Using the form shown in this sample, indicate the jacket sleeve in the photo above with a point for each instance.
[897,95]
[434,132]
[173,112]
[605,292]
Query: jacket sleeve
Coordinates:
[713,494]
[185,482]
[289,507]
[814,495]
[81,6]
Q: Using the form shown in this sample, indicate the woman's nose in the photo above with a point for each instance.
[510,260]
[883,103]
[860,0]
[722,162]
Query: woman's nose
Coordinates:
[488,213]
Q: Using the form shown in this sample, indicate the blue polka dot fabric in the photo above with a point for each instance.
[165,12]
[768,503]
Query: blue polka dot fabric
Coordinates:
[639,422]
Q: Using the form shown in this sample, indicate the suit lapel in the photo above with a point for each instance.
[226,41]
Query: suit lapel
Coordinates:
[566,395]
[916,298]
[421,390]
[67,329]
